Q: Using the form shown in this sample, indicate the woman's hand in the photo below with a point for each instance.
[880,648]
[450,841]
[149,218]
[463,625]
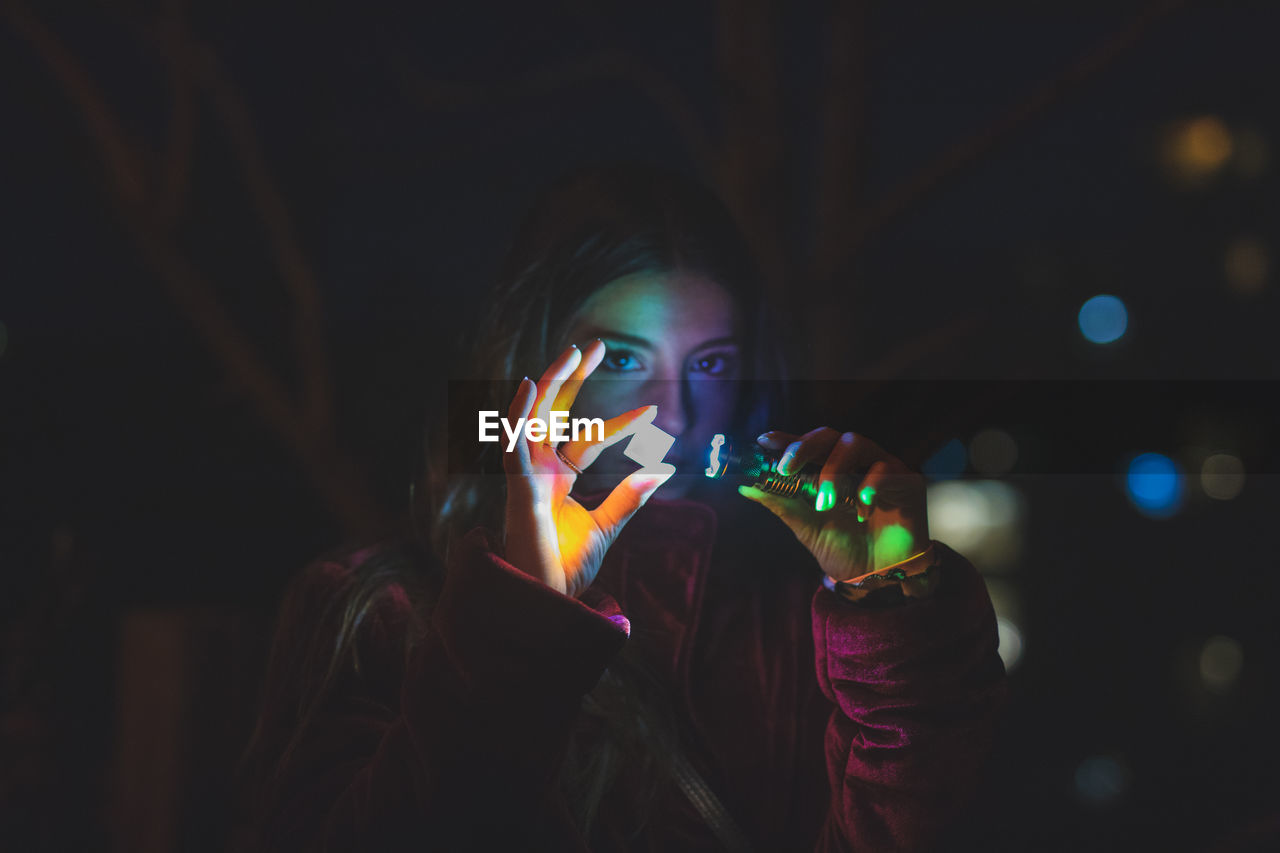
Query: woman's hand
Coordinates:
[886,521]
[549,535]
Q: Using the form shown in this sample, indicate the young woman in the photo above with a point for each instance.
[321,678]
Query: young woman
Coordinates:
[584,654]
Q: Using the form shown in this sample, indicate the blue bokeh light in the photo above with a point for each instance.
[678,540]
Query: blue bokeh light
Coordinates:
[1102,780]
[1154,484]
[948,462]
[1103,319]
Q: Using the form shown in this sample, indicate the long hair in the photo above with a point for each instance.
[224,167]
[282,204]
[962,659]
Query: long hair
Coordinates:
[588,230]
[591,228]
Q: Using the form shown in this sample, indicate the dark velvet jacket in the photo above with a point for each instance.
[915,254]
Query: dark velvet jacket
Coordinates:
[820,723]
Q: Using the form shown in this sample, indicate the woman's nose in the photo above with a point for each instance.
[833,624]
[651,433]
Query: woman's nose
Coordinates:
[671,417]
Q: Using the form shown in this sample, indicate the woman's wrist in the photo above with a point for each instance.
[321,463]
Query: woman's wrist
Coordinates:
[914,577]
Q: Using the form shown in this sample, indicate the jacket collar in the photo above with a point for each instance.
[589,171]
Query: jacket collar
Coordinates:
[657,571]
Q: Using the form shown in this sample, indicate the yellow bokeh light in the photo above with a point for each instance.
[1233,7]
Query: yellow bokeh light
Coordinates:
[1222,476]
[1247,265]
[993,452]
[1196,149]
[1221,660]
[1206,142]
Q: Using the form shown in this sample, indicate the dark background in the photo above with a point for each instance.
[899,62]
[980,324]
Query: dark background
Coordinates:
[239,241]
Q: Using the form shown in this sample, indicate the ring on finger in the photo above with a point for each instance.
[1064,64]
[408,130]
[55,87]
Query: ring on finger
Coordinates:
[565,459]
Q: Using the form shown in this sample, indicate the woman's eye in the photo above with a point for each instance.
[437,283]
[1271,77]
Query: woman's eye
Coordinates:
[711,365]
[621,361]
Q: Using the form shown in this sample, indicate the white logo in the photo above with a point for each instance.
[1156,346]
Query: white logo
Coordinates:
[536,429]
[648,446]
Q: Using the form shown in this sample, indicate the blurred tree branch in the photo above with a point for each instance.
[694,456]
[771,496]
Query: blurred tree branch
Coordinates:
[840,149]
[969,150]
[749,169]
[610,64]
[845,226]
[149,207]
[745,159]
[176,160]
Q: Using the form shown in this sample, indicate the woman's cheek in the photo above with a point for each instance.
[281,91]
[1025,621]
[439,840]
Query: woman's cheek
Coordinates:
[715,404]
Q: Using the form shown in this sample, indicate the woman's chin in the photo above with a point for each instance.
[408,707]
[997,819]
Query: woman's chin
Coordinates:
[677,487]
[601,483]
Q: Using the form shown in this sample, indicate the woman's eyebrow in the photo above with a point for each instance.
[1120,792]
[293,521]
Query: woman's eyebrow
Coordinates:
[728,340]
[620,337]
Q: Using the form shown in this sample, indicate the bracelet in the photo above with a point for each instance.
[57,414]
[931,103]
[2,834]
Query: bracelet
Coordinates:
[912,576]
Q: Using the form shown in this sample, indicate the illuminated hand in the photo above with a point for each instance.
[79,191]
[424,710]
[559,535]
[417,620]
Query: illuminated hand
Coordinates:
[549,534]
[885,523]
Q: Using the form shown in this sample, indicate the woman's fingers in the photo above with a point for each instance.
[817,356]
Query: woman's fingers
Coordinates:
[843,457]
[775,439]
[549,385]
[888,484]
[628,496]
[584,451]
[811,446]
[833,479]
[517,461]
[592,354]
[852,453]
[794,513]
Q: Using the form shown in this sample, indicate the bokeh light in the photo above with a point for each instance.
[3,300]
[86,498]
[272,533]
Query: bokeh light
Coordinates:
[982,520]
[1102,780]
[1010,643]
[1103,319]
[1247,265]
[1194,150]
[1154,484]
[948,462]
[1222,476]
[993,452]
[1221,660]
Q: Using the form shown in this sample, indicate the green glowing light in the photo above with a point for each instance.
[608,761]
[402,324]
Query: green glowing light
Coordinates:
[893,545]
[826,496]
[867,495]
[860,517]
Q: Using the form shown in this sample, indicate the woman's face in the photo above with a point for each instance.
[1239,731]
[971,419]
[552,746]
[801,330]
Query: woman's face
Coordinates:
[672,340]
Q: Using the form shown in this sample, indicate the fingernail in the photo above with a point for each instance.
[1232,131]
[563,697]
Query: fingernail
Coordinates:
[784,462]
[762,438]
[826,496]
[860,518]
[867,495]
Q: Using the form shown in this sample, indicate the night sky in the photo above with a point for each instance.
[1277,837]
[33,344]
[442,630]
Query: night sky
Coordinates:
[405,144]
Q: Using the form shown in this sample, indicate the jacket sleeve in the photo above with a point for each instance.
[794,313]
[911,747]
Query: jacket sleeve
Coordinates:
[488,698]
[917,687]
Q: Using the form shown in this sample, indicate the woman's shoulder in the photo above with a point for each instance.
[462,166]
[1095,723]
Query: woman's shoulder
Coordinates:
[393,568]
